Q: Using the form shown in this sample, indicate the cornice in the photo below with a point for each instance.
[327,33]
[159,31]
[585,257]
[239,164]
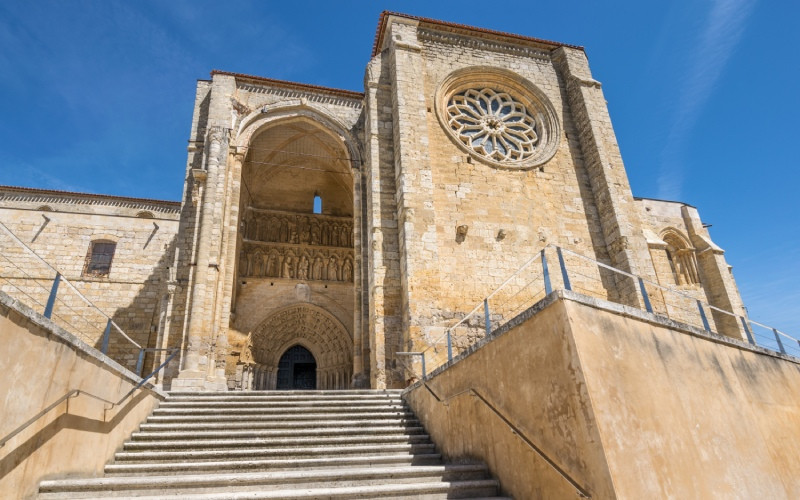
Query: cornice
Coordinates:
[463,28]
[286,88]
[287,93]
[452,38]
[47,196]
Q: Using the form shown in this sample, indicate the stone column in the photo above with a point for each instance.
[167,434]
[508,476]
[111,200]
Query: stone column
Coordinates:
[202,295]
[382,265]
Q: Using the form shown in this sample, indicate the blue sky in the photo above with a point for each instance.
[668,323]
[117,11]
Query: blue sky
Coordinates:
[97,96]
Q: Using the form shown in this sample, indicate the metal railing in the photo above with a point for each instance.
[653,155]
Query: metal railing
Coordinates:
[29,278]
[77,392]
[557,268]
[580,490]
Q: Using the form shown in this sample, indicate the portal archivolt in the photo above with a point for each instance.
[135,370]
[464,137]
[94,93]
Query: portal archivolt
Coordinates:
[311,327]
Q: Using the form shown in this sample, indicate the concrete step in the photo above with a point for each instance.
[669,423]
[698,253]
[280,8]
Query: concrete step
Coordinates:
[279,417]
[280,444]
[272,452]
[345,392]
[278,397]
[231,482]
[192,427]
[277,410]
[164,468]
[216,444]
[419,490]
[261,403]
[150,435]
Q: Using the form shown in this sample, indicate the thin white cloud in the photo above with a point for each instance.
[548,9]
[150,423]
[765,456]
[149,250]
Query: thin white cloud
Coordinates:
[727,20]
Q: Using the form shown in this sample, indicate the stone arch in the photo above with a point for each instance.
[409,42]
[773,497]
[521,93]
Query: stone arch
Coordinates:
[681,256]
[313,328]
[254,122]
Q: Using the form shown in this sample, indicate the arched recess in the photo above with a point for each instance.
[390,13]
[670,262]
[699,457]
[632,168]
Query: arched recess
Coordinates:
[681,257]
[291,155]
[313,328]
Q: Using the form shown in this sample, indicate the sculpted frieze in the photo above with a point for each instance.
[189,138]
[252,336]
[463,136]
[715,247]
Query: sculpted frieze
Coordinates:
[263,260]
[303,229]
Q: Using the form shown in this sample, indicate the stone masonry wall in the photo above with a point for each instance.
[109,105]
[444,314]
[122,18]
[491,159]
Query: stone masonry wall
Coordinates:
[132,291]
[510,215]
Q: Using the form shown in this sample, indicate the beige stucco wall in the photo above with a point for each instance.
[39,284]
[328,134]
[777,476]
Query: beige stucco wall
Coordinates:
[627,404]
[41,363]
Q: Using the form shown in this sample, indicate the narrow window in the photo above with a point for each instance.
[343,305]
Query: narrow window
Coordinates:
[98,260]
[317,204]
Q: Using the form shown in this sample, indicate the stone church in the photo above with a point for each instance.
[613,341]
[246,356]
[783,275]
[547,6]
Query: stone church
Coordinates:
[323,231]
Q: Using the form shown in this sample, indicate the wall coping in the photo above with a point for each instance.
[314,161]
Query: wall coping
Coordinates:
[84,349]
[613,308]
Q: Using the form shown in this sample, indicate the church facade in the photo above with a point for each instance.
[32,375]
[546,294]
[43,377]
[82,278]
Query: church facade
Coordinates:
[323,231]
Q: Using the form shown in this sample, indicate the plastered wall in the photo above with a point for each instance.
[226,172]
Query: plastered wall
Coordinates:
[623,403]
[41,363]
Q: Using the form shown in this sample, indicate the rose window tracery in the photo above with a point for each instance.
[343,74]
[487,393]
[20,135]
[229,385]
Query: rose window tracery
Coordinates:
[493,124]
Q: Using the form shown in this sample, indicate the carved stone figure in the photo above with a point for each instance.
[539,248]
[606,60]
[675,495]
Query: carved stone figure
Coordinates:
[272,265]
[317,268]
[347,270]
[284,234]
[332,270]
[305,230]
[335,235]
[287,267]
[302,268]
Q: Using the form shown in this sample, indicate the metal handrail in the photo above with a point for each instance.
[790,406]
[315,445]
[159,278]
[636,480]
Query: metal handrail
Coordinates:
[540,256]
[675,292]
[78,392]
[60,277]
[582,491]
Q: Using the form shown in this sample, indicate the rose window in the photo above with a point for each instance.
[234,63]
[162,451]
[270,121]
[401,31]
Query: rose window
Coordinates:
[493,124]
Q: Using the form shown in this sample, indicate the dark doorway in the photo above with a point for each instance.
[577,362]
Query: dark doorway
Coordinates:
[297,369]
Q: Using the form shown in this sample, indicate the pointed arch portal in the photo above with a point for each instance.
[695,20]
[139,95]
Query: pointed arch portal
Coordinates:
[297,369]
[302,347]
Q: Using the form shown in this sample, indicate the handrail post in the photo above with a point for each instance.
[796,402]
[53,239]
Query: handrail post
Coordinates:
[548,287]
[486,318]
[778,338]
[106,336]
[424,372]
[703,316]
[747,331]
[51,300]
[449,347]
[139,362]
[646,299]
[563,266]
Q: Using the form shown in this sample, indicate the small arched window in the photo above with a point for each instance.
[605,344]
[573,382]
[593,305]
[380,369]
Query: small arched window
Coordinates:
[681,258]
[99,257]
[45,208]
[144,214]
[317,204]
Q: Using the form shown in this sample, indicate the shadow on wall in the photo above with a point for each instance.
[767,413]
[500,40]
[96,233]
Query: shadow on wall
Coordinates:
[145,321]
[66,421]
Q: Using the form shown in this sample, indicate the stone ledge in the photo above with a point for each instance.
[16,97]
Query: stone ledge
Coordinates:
[612,307]
[14,306]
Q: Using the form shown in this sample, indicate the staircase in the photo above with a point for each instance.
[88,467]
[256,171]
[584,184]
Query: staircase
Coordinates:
[287,444]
